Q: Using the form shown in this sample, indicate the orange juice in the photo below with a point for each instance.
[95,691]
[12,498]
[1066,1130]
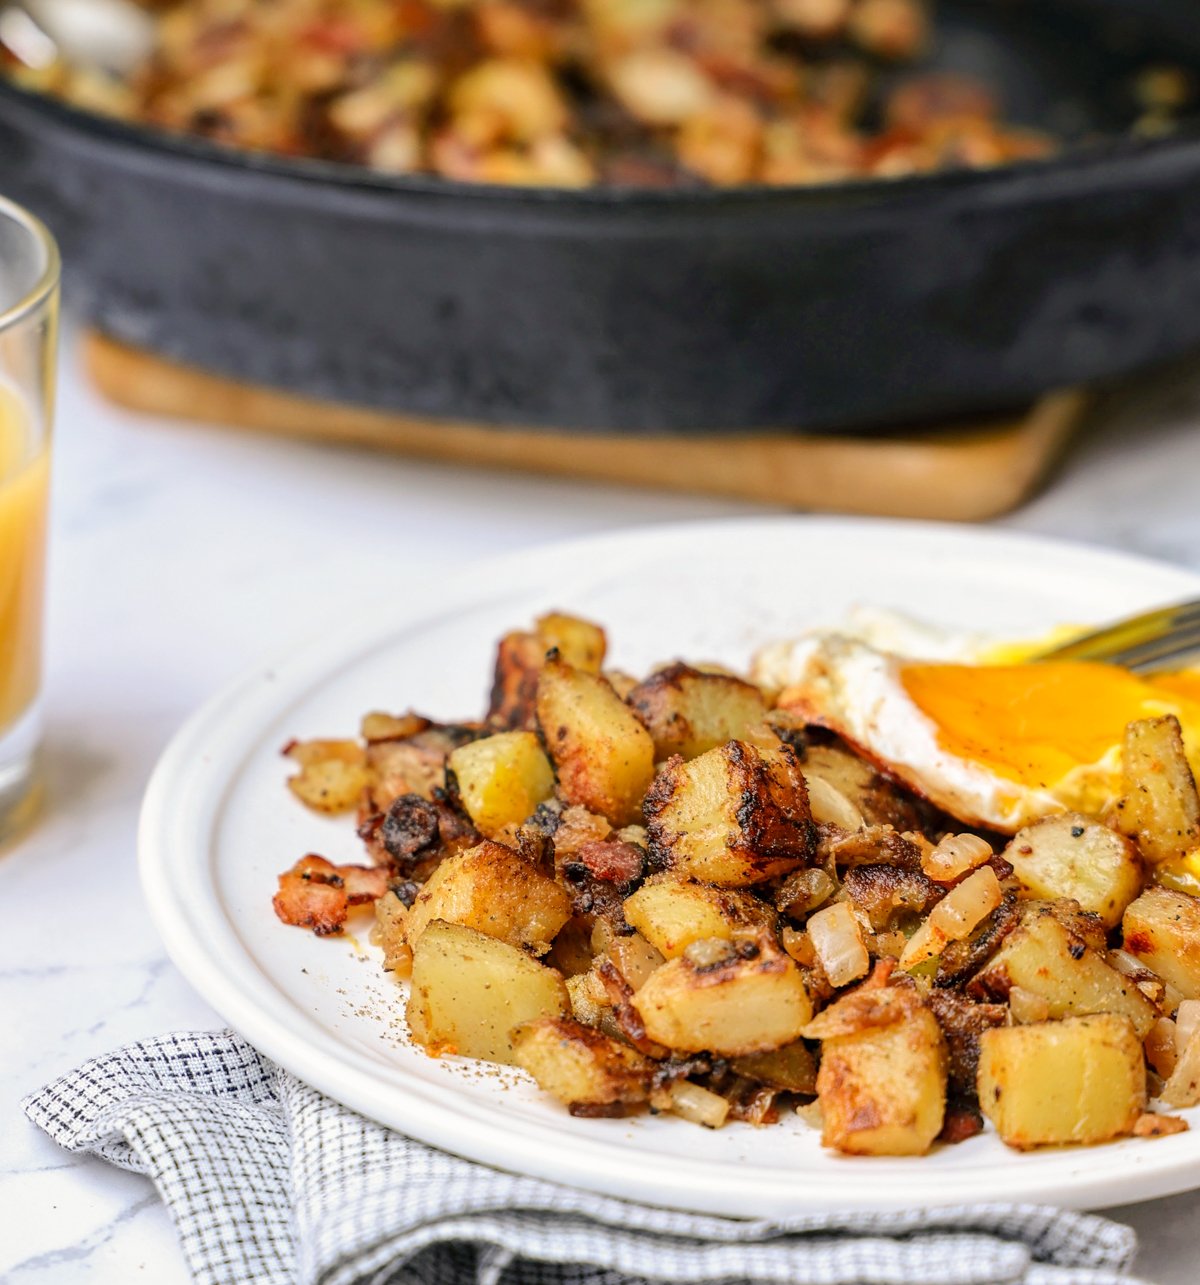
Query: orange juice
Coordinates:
[24,483]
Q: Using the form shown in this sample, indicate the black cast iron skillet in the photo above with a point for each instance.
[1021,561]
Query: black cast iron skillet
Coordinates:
[650,311]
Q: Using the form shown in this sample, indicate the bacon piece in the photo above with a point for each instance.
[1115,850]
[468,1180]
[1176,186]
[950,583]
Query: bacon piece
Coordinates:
[612,860]
[316,894]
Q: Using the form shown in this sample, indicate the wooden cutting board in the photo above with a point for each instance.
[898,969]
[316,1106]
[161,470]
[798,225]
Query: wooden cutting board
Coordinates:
[965,472]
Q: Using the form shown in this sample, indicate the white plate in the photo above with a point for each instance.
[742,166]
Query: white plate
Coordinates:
[218,826]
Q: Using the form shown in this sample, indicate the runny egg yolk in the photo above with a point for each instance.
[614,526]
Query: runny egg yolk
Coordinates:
[1036,724]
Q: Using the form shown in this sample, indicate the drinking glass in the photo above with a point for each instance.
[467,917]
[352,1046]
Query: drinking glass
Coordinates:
[29,271]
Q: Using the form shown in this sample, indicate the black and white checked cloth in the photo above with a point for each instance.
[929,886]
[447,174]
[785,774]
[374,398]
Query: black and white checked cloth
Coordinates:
[269,1183]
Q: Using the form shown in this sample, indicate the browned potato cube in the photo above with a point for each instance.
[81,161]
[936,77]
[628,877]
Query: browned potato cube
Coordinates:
[1073,856]
[603,755]
[501,779]
[469,991]
[689,712]
[1160,807]
[332,776]
[1042,958]
[882,1089]
[580,1066]
[672,913]
[724,1000]
[1162,928]
[736,815]
[1080,1080]
[578,642]
[493,890]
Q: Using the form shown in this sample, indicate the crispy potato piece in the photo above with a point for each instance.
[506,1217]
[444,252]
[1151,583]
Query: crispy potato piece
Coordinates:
[689,712]
[1080,1080]
[1162,929]
[736,815]
[1073,856]
[672,913]
[578,642]
[603,755]
[882,1088]
[332,776]
[1043,958]
[469,991]
[493,890]
[388,933]
[1160,807]
[736,1001]
[581,1067]
[501,779]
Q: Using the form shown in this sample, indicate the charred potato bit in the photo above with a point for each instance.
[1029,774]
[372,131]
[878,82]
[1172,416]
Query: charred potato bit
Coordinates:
[1162,930]
[882,1084]
[588,1072]
[493,890]
[1079,1080]
[603,755]
[736,815]
[732,999]
[1160,809]
[1044,958]
[688,712]
[674,913]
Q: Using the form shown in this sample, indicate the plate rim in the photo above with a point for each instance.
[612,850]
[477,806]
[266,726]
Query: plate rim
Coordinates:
[603,1166]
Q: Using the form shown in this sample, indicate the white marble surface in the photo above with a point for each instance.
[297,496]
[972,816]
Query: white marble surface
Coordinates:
[183,555]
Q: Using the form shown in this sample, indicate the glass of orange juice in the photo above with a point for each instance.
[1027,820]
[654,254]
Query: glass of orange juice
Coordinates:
[28,330]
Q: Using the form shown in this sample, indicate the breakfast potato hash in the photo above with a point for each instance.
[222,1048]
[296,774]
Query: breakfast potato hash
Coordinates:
[724,898]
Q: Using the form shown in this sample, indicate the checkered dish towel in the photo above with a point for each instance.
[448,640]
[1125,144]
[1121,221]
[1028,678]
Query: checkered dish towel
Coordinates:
[269,1183]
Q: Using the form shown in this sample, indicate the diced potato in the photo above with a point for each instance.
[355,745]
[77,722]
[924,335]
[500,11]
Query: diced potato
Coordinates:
[1043,958]
[791,1068]
[519,659]
[1080,1080]
[603,755]
[736,815]
[1162,929]
[579,642]
[501,779]
[1072,856]
[493,890]
[469,991]
[672,913]
[1160,807]
[388,933]
[689,712]
[332,776]
[882,1089]
[579,1066]
[732,1006]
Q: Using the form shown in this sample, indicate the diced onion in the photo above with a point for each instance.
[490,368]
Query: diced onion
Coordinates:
[838,941]
[1187,1023]
[954,856]
[830,806]
[1162,1047]
[697,1104]
[954,917]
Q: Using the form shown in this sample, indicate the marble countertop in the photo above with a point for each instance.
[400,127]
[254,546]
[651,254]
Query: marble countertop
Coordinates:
[181,556]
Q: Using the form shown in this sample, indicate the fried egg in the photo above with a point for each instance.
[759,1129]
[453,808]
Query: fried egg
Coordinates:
[997,745]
